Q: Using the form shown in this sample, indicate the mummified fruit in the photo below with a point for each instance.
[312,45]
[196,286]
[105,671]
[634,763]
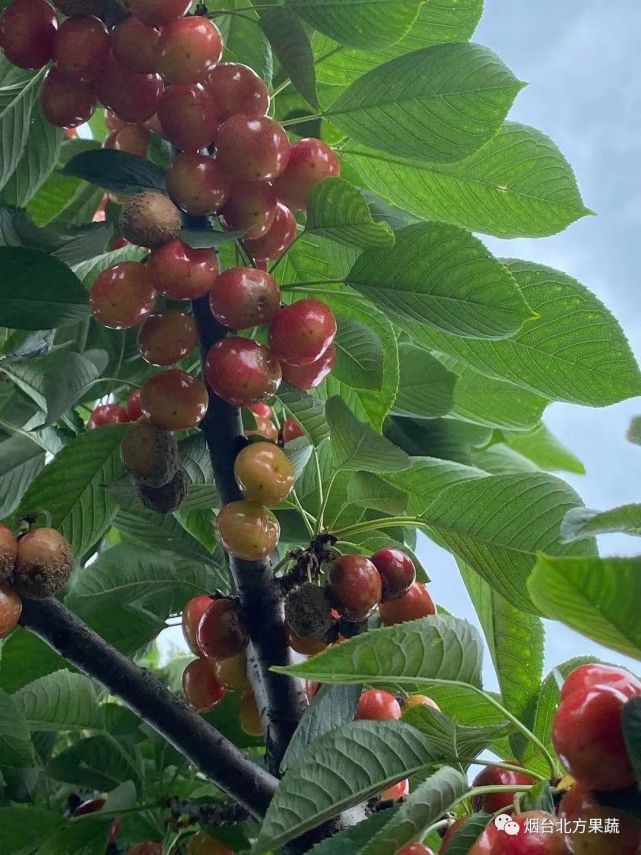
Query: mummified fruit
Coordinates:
[150,219]
[308,612]
[149,453]
[43,564]
[169,497]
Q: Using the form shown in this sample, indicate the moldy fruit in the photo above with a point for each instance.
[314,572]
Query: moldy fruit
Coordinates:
[43,565]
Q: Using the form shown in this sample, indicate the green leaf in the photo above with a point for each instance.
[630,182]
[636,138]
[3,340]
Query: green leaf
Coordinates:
[359,354]
[37,162]
[427,803]
[367,490]
[16,748]
[96,763]
[632,733]
[307,408]
[88,271]
[38,292]
[353,838]
[441,103]
[117,171]
[17,101]
[595,596]
[25,658]
[575,351]
[441,276]
[246,43]
[291,46]
[86,837]
[72,487]
[338,211]
[427,478]
[426,388]
[23,828]
[517,185]
[61,701]
[360,23]
[332,707]
[356,446]
[410,654]
[580,523]
[21,460]
[455,743]
[466,835]
[541,447]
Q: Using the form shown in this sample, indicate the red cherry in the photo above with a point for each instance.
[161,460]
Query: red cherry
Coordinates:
[236,88]
[241,371]
[301,333]
[80,47]
[27,32]
[192,613]
[252,148]
[221,631]
[174,400]
[312,375]
[122,296]
[180,272]
[415,849]
[197,184]
[416,603]
[107,414]
[279,238]
[396,791]
[492,776]
[263,411]
[201,687]
[265,428]
[541,840]
[157,13]
[66,103]
[310,162]
[132,97]
[134,45]
[133,139]
[243,297]
[594,674]
[355,586]
[166,338]
[188,117]
[377,705]
[10,608]
[292,429]
[579,805]
[251,208]
[484,844]
[397,571]
[89,806]
[134,410]
[189,49]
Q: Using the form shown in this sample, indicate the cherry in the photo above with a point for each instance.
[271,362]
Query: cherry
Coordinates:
[80,47]
[221,631]
[89,806]
[10,610]
[66,103]
[301,333]
[149,847]
[292,429]
[197,184]
[278,239]
[27,32]
[310,376]
[416,603]
[247,530]
[243,297]
[420,701]
[232,672]
[539,841]
[249,715]
[174,400]
[189,49]
[204,844]
[252,148]
[112,121]
[310,162]
[251,208]
[484,845]
[415,849]
[236,88]
[241,371]
[263,411]
[107,414]
[132,97]
[157,13]
[594,674]
[167,338]
[188,117]
[264,473]
[8,551]
[492,776]
[449,835]
[580,805]
[134,139]
[355,586]
[377,705]
[588,737]
[201,687]
[396,791]
[305,646]
[134,45]
[397,571]
[123,295]
[133,407]
[192,613]
[43,565]
[180,272]
[265,428]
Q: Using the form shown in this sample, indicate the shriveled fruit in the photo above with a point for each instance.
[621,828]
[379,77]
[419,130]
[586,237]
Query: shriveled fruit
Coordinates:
[43,564]
[134,45]
[107,414]
[27,31]
[397,572]
[308,612]
[265,428]
[169,497]
[8,551]
[275,243]
[122,296]
[189,49]
[416,603]
[66,103]
[247,530]
[232,672]
[302,332]
[201,688]
[10,609]
[243,297]
[180,272]
[192,613]
[150,454]
[310,162]
[197,184]
[252,148]
[174,400]
[204,844]
[377,705]
[310,376]
[492,776]
[166,338]
[355,586]
[157,13]
[264,473]
[188,117]
[80,47]
[250,208]
[292,429]
[132,97]
[221,631]
[150,219]
[241,371]
[249,715]
[236,88]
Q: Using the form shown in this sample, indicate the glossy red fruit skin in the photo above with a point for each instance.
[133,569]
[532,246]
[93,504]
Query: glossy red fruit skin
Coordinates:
[133,139]
[415,849]
[192,613]
[416,603]
[397,571]
[310,162]
[243,297]
[166,338]
[377,705]
[588,737]
[197,184]
[188,117]
[180,272]
[10,610]
[540,842]
[134,45]
[236,88]
[594,674]
[66,103]
[122,296]
[396,791]
[264,428]
[107,414]
[355,586]
[201,687]
[80,47]
[580,804]
[279,238]
[302,332]
[263,411]
[252,148]
[132,97]
[492,776]
[292,429]
[484,844]
[250,208]
[157,13]
[221,632]
[189,49]
[27,32]
[241,371]
[174,400]
[134,410]
[310,376]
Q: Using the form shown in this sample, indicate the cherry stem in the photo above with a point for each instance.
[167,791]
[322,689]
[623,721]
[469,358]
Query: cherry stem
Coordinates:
[300,120]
